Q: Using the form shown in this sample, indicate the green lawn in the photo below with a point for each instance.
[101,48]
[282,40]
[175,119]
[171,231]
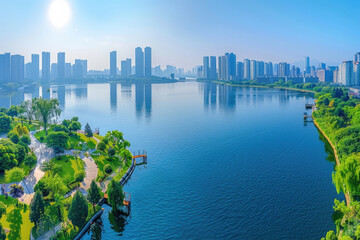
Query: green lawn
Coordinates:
[123,170]
[26,225]
[69,165]
[101,161]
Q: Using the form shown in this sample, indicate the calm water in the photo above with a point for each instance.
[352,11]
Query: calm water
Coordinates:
[224,163]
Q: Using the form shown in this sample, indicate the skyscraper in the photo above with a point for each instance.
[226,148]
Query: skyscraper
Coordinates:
[113,65]
[68,70]
[246,69]
[231,66]
[139,62]
[357,57]
[53,71]
[253,70]
[35,66]
[239,70]
[213,74]
[60,66]
[17,68]
[5,68]
[45,66]
[219,68]
[307,65]
[148,64]
[126,68]
[78,72]
[84,67]
[206,68]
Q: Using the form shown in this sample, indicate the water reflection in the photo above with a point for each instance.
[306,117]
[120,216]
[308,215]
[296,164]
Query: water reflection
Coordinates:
[113,96]
[143,95]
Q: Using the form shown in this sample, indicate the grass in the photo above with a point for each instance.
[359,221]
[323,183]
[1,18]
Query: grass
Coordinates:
[26,225]
[123,170]
[69,165]
[101,160]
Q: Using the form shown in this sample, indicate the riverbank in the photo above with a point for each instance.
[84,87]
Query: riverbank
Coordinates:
[263,86]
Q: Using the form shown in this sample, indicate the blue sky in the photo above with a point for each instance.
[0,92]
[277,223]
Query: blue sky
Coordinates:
[182,31]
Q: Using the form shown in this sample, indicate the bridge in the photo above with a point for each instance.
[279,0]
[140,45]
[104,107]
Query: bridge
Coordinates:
[142,156]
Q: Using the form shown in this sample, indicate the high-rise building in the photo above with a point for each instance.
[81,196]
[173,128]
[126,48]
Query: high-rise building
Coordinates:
[219,68]
[61,66]
[253,70]
[35,66]
[206,68]
[284,69]
[148,64]
[28,70]
[45,66]
[276,69]
[84,67]
[139,62]
[261,69]
[54,69]
[325,75]
[307,65]
[357,57]
[239,70]
[78,72]
[126,68]
[68,70]
[5,68]
[271,69]
[113,65]
[231,66]
[247,69]
[322,66]
[213,73]
[17,68]
[346,73]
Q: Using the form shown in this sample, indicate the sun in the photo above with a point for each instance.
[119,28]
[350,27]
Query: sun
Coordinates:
[59,13]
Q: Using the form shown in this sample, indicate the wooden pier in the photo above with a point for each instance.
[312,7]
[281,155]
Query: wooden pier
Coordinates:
[141,156]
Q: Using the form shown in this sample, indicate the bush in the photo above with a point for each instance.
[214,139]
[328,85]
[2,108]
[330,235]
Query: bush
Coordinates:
[14,175]
[79,176]
[106,141]
[25,139]
[101,146]
[108,169]
[41,186]
[56,168]
[60,128]
[111,151]
[30,160]
[14,137]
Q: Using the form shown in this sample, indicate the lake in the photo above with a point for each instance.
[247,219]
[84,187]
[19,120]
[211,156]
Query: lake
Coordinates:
[223,162]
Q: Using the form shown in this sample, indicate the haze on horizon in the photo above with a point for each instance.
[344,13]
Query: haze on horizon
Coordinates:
[180,32]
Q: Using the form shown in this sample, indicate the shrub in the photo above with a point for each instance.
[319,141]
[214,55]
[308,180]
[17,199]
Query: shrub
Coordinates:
[14,137]
[60,128]
[25,139]
[101,146]
[41,186]
[79,176]
[56,168]
[14,175]
[108,169]
[111,151]
[30,160]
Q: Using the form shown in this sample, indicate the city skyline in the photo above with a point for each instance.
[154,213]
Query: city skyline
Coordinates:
[175,34]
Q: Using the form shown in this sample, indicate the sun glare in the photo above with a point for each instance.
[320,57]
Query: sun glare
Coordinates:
[59,13]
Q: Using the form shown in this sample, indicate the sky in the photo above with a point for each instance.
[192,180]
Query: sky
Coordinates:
[180,32]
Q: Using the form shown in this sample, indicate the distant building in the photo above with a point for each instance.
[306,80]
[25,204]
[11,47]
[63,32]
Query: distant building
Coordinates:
[84,65]
[213,73]
[5,68]
[247,69]
[35,66]
[230,66]
[206,68]
[113,65]
[284,69]
[357,57]
[17,68]
[28,70]
[307,65]
[45,66]
[68,70]
[325,75]
[253,70]
[239,70]
[53,74]
[60,66]
[78,72]
[139,62]
[148,62]
[322,66]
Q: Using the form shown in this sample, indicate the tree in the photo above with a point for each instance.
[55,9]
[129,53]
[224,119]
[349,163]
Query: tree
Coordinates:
[88,130]
[25,139]
[13,111]
[93,194]
[74,126]
[47,166]
[76,154]
[14,136]
[108,169]
[2,209]
[2,233]
[21,130]
[46,110]
[79,176]
[7,155]
[54,184]
[29,109]
[15,220]
[14,175]
[16,190]
[37,208]
[59,205]
[111,151]
[101,146]
[41,187]
[115,195]
[78,210]
[5,122]
[330,235]
[58,141]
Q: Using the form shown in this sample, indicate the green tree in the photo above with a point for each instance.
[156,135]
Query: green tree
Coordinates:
[2,209]
[111,151]
[5,122]
[37,208]
[79,176]
[101,146]
[15,174]
[78,210]
[330,235]
[74,126]
[7,156]
[115,195]
[54,184]
[2,233]
[30,160]
[29,109]
[15,220]
[93,194]
[88,130]
[59,205]
[46,110]
[58,141]
[108,169]
[13,111]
